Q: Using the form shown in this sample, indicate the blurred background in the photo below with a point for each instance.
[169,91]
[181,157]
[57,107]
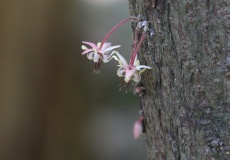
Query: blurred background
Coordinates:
[52,106]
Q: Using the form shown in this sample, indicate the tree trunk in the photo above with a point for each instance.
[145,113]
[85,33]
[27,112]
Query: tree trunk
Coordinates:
[187,100]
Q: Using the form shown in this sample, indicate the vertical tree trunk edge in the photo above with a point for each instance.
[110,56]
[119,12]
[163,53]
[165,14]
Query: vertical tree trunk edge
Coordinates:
[187,101]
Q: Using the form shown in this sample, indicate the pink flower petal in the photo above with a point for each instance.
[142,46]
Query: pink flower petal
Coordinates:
[90,55]
[87,51]
[110,48]
[96,57]
[142,66]
[91,44]
[120,72]
[129,73]
[122,60]
[106,45]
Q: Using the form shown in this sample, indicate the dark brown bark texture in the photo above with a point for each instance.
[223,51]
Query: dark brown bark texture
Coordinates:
[187,100]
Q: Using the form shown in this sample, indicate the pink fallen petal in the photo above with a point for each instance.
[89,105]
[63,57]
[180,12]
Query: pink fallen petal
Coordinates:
[137,129]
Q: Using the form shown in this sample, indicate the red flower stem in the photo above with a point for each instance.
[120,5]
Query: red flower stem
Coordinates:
[134,54]
[135,38]
[113,29]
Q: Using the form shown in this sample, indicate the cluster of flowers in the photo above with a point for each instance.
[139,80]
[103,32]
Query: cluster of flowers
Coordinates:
[103,52]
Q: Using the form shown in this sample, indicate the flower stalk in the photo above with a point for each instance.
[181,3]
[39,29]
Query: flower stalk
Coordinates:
[114,29]
[136,49]
[132,70]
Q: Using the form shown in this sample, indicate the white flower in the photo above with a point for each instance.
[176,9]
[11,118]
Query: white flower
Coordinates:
[98,53]
[131,71]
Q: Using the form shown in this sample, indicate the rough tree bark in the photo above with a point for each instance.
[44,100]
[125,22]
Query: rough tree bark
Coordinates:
[187,101]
